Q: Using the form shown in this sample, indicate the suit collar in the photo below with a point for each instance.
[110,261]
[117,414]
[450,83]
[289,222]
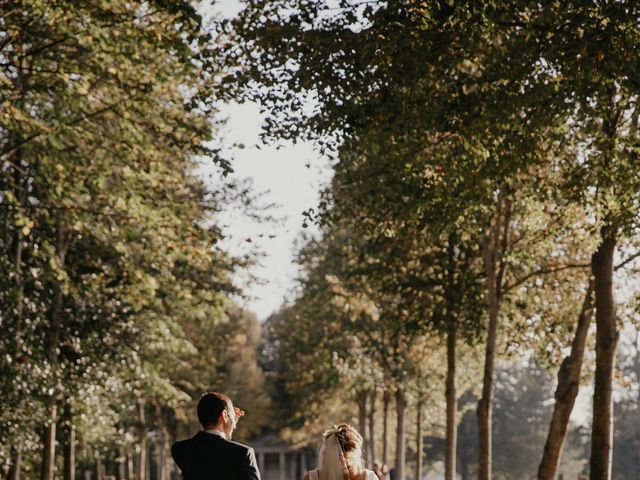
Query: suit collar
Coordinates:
[216,432]
[202,435]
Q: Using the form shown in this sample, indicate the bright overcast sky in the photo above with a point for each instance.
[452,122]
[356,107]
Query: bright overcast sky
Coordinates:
[290,177]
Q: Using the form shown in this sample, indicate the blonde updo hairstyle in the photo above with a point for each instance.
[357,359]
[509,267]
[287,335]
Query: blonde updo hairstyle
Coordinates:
[351,443]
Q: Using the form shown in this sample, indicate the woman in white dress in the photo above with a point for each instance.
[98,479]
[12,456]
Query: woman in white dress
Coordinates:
[341,456]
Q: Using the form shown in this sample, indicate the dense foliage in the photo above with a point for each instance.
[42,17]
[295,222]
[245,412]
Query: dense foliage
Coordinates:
[500,135]
[115,295]
[482,215]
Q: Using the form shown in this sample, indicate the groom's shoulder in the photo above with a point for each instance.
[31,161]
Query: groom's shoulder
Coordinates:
[237,446]
[203,440]
[181,444]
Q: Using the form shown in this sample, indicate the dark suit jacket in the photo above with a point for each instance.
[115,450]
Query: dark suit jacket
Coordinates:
[211,457]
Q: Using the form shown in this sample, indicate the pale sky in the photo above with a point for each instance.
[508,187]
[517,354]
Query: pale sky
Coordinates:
[226,8]
[290,177]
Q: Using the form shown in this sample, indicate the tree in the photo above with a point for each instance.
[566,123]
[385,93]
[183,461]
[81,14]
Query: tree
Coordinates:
[385,65]
[104,110]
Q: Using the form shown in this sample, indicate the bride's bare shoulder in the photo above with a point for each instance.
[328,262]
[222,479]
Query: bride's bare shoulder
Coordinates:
[364,475]
[370,475]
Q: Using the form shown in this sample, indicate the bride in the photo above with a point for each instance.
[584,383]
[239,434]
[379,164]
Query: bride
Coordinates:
[341,456]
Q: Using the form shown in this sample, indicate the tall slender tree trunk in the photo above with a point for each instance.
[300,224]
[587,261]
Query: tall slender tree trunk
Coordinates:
[419,444]
[453,298]
[362,421]
[485,403]
[163,448]
[18,277]
[386,401]
[15,469]
[21,178]
[100,470]
[49,440]
[130,469]
[400,435]
[157,450]
[142,442]
[566,392]
[372,428]
[122,465]
[158,445]
[452,403]
[493,253]
[606,344]
[69,468]
[168,462]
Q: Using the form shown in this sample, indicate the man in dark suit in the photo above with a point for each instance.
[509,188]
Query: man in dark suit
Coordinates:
[210,454]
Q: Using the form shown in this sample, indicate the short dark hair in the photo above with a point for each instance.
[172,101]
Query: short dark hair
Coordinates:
[211,406]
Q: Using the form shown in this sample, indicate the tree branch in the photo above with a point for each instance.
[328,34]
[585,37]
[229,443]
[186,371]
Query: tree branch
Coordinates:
[628,260]
[545,271]
[35,50]
[505,244]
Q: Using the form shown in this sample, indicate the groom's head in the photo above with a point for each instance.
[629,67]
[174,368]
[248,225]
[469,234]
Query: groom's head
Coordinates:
[216,411]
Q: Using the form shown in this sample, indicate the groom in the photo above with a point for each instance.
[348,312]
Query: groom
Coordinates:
[211,454]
